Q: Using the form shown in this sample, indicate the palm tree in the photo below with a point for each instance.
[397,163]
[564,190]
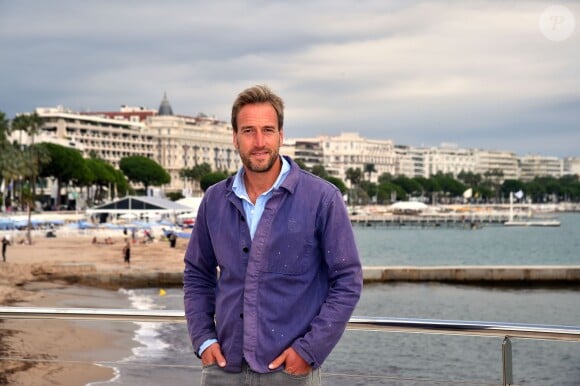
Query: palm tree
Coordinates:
[369,169]
[30,124]
[4,158]
[355,177]
[4,129]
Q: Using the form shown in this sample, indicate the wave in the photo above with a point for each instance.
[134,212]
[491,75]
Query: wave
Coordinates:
[147,335]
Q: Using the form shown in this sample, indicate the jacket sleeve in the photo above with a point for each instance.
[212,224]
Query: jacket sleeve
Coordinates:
[339,252]
[199,282]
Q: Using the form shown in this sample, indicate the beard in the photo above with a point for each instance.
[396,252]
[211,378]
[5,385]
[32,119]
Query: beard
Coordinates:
[260,166]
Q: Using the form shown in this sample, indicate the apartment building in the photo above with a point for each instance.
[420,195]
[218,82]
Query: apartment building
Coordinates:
[178,141]
[532,166]
[572,165]
[350,150]
[490,161]
[174,141]
[409,161]
[107,137]
[183,142]
[448,159]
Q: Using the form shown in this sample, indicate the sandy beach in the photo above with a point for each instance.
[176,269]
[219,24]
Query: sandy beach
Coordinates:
[64,352]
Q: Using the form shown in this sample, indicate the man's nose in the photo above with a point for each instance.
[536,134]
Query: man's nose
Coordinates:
[259,139]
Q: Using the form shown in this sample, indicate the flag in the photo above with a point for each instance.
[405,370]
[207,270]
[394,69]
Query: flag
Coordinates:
[519,194]
[468,193]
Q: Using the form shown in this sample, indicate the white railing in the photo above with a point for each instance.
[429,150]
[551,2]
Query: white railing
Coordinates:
[381,324]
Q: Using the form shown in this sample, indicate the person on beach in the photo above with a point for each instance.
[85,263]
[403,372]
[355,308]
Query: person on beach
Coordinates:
[5,243]
[172,239]
[289,271]
[127,253]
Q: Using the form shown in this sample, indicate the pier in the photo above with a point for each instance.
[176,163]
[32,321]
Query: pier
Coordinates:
[88,275]
[465,221]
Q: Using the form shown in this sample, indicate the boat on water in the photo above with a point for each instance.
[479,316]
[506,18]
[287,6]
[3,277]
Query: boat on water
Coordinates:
[533,223]
[529,222]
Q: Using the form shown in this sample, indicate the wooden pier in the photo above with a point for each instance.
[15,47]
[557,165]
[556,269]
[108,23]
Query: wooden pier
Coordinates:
[537,275]
[465,221]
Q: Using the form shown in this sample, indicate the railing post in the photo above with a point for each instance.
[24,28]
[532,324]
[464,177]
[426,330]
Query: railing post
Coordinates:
[506,354]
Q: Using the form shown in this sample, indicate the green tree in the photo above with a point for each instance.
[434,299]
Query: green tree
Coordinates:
[535,190]
[470,178]
[300,164]
[449,185]
[65,164]
[121,184]
[492,180]
[409,185]
[511,186]
[385,177]
[196,172]
[4,130]
[104,177]
[390,192]
[211,179]
[29,124]
[12,166]
[4,156]
[354,176]
[369,169]
[320,171]
[146,171]
[338,183]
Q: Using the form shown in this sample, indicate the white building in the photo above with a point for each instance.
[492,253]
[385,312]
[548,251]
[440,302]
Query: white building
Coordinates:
[572,165]
[532,166]
[105,137]
[184,141]
[448,159]
[173,141]
[490,161]
[350,150]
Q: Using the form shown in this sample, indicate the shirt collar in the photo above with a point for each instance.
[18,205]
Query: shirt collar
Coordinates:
[239,187]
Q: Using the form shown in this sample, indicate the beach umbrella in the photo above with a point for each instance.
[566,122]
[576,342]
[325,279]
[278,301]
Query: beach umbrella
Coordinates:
[128,216]
[188,215]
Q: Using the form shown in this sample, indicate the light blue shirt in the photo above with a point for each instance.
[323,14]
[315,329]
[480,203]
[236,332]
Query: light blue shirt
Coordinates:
[253,212]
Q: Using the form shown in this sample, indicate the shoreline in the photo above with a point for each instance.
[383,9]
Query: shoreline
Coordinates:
[70,352]
[64,352]
[58,271]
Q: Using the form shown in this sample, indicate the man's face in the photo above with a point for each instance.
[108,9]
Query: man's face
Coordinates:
[258,138]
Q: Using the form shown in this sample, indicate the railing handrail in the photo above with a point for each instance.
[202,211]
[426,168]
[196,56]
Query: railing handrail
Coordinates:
[431,326]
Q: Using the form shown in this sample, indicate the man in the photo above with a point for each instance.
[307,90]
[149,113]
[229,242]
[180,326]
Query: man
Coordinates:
[5,243]
[289,271]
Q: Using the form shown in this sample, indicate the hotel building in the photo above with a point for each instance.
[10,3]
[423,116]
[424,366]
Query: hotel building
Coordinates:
[179,141]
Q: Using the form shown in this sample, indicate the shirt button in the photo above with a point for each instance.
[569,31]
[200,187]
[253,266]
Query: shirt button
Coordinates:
[242,218]
[241,316]
[245,249]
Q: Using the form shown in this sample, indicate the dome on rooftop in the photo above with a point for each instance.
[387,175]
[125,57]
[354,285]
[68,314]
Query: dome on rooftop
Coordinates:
[165,107]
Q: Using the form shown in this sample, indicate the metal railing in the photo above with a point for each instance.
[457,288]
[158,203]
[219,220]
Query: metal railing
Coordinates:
[405,325]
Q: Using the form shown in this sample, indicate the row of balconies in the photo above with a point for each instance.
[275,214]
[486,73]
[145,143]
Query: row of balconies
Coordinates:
[100,145]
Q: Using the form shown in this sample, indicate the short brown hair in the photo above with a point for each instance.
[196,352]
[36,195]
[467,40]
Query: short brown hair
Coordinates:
[258,94]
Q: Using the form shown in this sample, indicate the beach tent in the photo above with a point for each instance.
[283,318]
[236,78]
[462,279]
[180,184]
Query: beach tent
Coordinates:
[142,207]
[408,207]
[192,202]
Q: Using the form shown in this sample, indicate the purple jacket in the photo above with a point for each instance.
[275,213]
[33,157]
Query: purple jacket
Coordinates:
[296,284]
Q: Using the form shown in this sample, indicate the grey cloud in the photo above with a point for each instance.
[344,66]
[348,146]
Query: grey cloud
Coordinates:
[415,72]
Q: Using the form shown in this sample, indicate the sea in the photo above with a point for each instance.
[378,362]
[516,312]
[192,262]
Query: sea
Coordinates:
[163,354]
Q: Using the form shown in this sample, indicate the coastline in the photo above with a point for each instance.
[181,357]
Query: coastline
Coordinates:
[69,352]
[47,273]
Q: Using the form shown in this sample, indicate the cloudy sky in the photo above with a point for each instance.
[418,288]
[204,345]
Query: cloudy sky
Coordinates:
[501,75]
